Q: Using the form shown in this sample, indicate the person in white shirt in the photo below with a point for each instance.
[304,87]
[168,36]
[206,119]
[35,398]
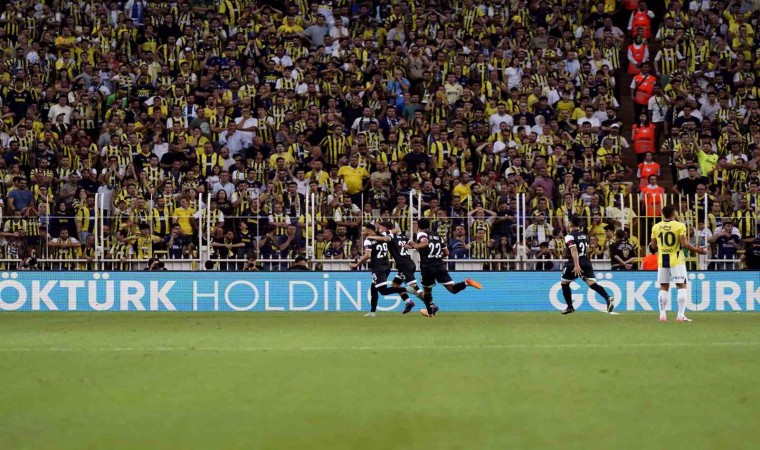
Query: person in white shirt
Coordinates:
[281,59]
[98,86]
[223,184]
[247,124]
[499,117]
[160,146]
[589,118]
[33,57]
[362,123]
[658,106]
[699,5]
[551,92]
[339,31]
[228,161]
[234,140]
[302,183]
[572,65]
[514,74]
[61,108]
[711,108]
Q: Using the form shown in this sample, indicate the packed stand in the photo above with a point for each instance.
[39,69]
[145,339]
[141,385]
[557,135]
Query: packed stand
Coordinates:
[469,106]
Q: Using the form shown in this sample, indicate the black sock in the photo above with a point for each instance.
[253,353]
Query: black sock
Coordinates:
[568,294]
[459,287]
[373,299]
[386,290]
[427,298]
[600,290]
[404,296]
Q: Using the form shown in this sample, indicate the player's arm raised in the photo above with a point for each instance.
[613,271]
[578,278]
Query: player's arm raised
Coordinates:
[365,257]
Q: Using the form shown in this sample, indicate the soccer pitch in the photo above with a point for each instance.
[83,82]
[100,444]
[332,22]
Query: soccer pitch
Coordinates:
[342,381]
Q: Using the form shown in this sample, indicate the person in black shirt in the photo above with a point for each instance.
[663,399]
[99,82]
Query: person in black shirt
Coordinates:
[579,265]
[751,256]
[404,264]
[177,243]
[376,252]
[622,252]
[433,268]
[299,264]
[688,185]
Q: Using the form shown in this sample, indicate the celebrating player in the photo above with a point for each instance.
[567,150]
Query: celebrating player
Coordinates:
[669,240]
[579,265]
[377,253]
[433,267]
[404,264]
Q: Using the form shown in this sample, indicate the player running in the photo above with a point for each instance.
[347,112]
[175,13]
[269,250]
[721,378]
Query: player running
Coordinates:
[669,240]
[376,252]
[433,268]
[404,264]
[579,265]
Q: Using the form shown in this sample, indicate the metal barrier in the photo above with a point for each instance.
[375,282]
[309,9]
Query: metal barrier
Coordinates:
[521,229]
[338,265]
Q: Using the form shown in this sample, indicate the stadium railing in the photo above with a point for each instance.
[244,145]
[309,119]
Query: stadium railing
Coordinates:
[634,212]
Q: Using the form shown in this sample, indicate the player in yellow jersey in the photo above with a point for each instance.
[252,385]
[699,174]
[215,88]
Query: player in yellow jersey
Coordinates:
[669,240]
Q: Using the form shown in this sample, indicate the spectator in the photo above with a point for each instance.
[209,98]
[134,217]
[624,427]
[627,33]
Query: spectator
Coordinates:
[727,241]
[622,253]
[751,257]
[387,106]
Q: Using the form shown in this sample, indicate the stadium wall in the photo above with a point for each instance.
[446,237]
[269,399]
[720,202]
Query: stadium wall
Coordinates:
[349,291]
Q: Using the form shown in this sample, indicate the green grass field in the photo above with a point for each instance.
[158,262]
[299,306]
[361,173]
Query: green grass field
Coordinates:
[341,381]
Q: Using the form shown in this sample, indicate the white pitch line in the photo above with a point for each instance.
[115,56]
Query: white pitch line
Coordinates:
[380,348]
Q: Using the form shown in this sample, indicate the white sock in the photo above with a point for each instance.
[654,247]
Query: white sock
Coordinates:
[681,302]
[662,298]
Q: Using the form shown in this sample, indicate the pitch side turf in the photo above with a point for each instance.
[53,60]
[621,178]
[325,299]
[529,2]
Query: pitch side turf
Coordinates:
[341,381]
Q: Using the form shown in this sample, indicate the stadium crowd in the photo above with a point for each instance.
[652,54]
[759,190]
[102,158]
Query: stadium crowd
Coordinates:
[468,105]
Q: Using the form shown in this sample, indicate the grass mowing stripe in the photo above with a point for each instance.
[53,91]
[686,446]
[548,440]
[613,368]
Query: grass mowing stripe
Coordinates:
[367,348]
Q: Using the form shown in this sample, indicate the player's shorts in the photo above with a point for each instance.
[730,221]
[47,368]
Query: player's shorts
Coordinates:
[587,271]
[380,277]
[405,274]
[667,275]
[438,273]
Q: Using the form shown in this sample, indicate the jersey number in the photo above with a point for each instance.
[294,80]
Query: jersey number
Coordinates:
[402,250]
[382,250]
[581,249]
[435,250]
[667,239]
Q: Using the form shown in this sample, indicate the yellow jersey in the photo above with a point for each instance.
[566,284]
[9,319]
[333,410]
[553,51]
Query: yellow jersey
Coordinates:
[668,235]
[354,178]
[182,217]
